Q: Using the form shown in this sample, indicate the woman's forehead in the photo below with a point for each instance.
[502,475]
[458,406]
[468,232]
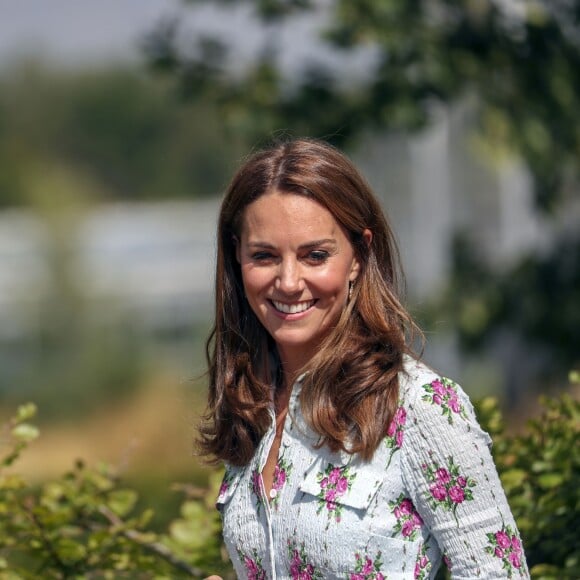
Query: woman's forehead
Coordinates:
[277,214]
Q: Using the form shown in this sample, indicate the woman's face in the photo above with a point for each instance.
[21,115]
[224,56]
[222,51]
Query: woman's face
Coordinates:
[296,265]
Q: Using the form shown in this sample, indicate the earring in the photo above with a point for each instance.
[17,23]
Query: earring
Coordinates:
[350,287]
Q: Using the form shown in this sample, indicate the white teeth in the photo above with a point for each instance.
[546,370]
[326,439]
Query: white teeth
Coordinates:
[292,308]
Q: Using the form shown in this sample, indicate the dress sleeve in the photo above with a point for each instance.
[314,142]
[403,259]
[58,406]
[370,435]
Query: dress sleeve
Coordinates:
[452,480]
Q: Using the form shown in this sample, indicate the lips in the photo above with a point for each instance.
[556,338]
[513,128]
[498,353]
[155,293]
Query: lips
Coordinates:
[294,308]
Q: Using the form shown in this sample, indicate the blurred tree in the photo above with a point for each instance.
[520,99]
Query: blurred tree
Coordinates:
[65,346]
[120,127]
[537,298]
[520,63]
[521,60]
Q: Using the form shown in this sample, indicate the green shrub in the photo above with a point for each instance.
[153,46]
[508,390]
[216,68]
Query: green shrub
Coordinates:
[540,472]
[88,525]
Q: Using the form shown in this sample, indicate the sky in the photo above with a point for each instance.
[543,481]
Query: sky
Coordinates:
[75,31]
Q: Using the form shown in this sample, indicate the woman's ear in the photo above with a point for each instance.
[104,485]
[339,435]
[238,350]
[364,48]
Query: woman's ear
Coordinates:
[367,236]
[355,270]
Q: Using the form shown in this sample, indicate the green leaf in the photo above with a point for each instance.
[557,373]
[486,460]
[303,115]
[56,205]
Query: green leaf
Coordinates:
[122,501]
[145,518]
[545,571]
[25,412]
[192,510]
[11,482]
[122,561]
[513,478]
[25,432]
[550,480]
[70,551]
[539,466]
[185,533]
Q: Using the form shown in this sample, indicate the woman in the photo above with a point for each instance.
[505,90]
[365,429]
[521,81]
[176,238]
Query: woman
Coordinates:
[345,456]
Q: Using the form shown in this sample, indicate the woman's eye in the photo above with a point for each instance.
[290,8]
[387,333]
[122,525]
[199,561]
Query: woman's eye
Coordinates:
[318,255]
[261,256]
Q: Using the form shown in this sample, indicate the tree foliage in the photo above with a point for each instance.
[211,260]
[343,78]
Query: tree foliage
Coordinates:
[538,297]
[119,132]
[521,60]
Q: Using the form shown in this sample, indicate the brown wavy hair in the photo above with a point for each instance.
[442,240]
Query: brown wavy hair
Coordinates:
[350,392]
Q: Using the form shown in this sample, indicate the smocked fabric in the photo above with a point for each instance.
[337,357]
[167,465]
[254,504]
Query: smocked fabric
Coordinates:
[430,494]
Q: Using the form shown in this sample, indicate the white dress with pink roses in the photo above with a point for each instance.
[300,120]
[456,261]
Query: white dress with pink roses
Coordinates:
[430,494]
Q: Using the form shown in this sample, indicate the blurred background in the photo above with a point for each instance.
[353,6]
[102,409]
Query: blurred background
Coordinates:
[121,123]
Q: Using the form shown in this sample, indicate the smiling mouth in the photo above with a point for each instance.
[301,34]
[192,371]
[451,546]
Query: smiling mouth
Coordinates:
[293,308]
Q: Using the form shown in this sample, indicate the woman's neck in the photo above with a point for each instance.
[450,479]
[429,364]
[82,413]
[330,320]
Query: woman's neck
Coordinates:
[292,363]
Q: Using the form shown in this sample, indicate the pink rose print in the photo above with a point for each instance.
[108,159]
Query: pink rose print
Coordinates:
[334,476]
[422,565]
[223,488]
[448,488]
[341,485]
[253,565]
[330,496]
[400,416]
[442,475]
[455,404]
[515,560]
[438,491]
[447,561]
[225,485]
[456,494]
[404,508]
[282,472]
[279,477]
[505,545]
[395,432]
[438,387]
[256,489]
[408,528]
[502,540]
[399,439]
[300,567]
[443,393]
[367,568]
[409,522]
[334,482]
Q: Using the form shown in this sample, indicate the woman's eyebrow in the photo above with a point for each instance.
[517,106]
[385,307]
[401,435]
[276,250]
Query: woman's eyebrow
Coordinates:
[305,246]
[258,244]
[315,243]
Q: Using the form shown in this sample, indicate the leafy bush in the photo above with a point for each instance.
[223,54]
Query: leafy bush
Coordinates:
[88,525]
[540,471]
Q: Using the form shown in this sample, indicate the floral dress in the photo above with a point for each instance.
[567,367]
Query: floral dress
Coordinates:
[430,494]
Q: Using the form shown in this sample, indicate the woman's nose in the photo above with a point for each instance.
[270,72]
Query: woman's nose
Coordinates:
[289,279]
